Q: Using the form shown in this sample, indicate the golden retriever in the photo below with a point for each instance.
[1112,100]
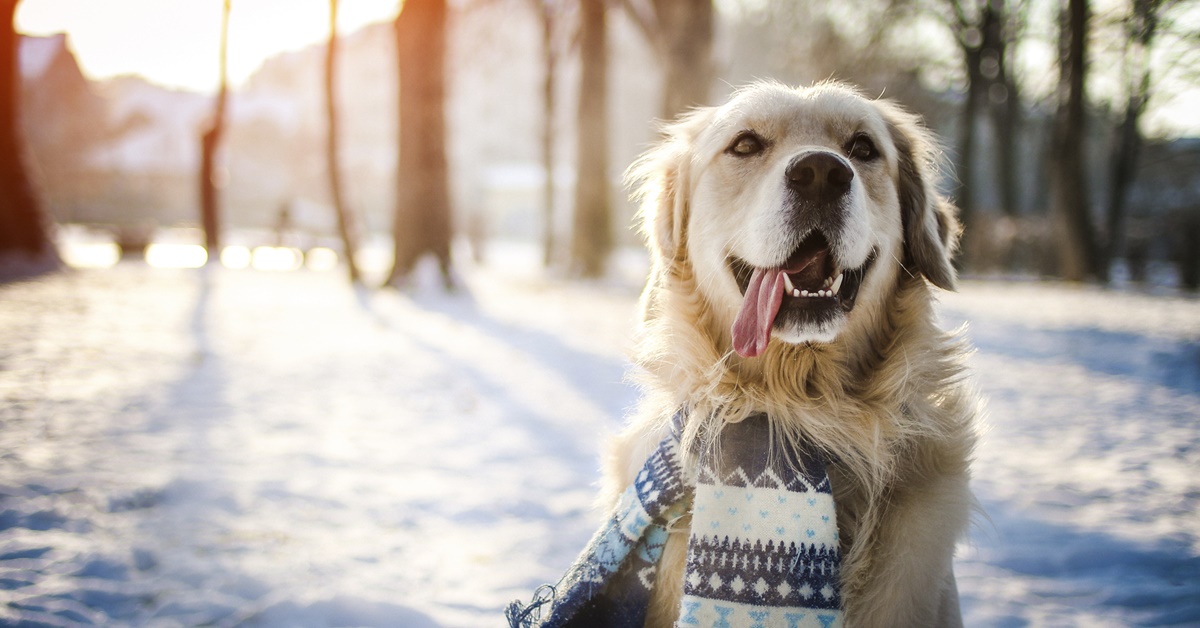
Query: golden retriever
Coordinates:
[795,236]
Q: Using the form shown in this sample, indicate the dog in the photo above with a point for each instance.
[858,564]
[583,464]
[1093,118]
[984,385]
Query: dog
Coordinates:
[797,236]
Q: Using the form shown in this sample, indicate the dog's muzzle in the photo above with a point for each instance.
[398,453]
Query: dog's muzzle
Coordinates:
[811,287]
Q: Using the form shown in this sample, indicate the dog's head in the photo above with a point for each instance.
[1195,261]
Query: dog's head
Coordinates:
[793,210]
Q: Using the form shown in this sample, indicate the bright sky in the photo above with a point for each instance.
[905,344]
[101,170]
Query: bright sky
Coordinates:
[176,42]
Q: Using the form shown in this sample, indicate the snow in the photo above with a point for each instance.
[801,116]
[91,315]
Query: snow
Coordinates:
[220,447]
[1088,472]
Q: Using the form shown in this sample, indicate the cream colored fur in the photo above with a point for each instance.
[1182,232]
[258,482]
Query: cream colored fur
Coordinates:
[885,398]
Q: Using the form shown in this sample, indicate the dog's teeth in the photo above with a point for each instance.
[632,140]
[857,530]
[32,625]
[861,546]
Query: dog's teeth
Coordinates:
[804,293]
[828,280]
[795,292]
[837,284]
[787,284]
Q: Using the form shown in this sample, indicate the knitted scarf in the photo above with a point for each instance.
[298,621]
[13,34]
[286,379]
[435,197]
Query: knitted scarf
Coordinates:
[762,552]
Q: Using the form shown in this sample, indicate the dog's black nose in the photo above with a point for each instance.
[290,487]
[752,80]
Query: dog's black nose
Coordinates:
[819,177]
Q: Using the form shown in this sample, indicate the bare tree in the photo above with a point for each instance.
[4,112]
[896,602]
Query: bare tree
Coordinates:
[550,14]
[592,234]
[210,139]
[681,34]
[984,31]
[1141,28]
[24,231]
[345,220]
[422,223]
[1076,240]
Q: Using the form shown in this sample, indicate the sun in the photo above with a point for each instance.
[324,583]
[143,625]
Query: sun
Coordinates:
[176,43]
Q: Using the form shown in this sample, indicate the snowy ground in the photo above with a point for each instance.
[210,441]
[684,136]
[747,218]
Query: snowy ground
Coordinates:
[186,448]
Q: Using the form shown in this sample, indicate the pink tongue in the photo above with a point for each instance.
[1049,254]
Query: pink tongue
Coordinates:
[752,327]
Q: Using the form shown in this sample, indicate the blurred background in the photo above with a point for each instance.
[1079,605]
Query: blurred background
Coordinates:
[215,411]
[1070,129]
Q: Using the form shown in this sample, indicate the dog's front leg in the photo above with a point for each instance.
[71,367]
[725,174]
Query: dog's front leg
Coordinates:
[899,571]
[668,582]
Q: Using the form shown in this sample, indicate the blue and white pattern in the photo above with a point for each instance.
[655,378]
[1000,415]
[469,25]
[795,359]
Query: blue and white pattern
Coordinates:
[610,583]
[762,553]
[763,549]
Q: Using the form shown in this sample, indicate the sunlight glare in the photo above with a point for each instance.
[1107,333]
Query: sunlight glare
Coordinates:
[276,258]
[235,257]
[175,43]
[176,255]
[321,259]
[375,256]
[91,255]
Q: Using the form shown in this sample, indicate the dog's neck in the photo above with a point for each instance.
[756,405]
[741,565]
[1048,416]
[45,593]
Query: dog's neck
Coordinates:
[830,394]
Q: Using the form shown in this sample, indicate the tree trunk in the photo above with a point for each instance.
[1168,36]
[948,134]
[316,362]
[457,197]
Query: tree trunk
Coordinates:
[1076,241]
[548,12]
[1003,103]
[1123,165]
[345,222]
[681,34]
[686,30]
[1123,162]
[967,136]
[1007,122]
[24,231]
[991,96]
[210,140]
[592,238]
[422,223]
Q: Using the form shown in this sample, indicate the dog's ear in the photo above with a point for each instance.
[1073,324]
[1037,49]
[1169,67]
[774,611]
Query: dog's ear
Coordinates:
[931,227]
[661,179]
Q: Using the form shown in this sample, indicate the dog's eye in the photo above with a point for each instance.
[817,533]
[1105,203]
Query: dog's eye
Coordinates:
[861,148]
[746,144]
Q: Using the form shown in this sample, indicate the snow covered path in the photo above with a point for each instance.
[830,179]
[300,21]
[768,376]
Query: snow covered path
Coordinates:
[1090,473]
[240,448]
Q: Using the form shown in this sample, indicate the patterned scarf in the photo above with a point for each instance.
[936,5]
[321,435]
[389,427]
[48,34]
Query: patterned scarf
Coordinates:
[762,553]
